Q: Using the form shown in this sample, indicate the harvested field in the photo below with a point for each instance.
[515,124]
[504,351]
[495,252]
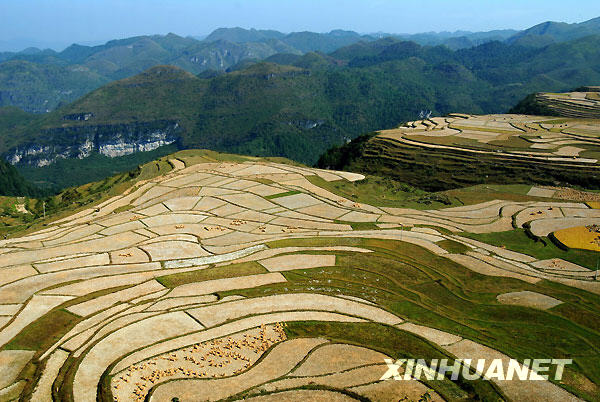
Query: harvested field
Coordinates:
[181,271]
[582,237]
[100,303]
[43,389]
[541,192]
[229,328]
[121,342]
[528,299]
[303,395]
[170,250]
[217,358]
[297,261]
[34,309]
[220,285]
[289,302]
[342,380]
[558,264]
[280,360]
[544,227]
[11,364]
[392,391]
[514,389]
[181,301]
[433,335]
[335,358]
[484,268]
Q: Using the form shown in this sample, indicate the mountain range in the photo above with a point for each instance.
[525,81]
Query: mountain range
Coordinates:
[284,101]
[295,106]
[40,81]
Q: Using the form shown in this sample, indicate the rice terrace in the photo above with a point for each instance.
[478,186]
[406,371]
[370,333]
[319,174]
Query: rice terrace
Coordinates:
[226,277]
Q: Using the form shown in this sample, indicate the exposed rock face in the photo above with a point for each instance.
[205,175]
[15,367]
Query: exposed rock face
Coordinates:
[306,124]
[109,140]
[78,116]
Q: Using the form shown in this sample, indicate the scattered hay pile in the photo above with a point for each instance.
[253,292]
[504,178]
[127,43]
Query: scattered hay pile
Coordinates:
[567,193]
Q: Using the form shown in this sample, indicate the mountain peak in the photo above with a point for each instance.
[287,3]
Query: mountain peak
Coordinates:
[161,73]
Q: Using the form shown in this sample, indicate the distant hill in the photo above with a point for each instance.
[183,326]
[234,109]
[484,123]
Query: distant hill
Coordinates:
[241,35]
[555,32]
[459,39]
[42,80]
[303,105]
[40,88]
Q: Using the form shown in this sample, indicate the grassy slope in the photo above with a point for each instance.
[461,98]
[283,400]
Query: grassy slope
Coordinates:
[414,284]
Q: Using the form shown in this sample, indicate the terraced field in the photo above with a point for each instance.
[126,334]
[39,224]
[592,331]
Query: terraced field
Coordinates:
[461,150]
[245,280]
[532,138]
[583,103]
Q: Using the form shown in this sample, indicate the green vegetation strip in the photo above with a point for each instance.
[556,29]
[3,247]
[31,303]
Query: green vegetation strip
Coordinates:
[271,197]
[453,247]
[385,192]
[228,271]
[44,332]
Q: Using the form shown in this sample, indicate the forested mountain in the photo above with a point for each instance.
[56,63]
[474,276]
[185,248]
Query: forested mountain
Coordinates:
[40,88]
[555,32]
[41,80]
[303,105]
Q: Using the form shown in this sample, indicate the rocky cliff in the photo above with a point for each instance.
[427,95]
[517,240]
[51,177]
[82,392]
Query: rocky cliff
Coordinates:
[82,140]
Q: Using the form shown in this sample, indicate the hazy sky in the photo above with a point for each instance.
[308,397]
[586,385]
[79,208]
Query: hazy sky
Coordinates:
[61,22]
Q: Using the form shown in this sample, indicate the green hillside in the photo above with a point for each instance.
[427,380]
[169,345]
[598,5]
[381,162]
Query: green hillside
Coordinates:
[39,88]
[300,110]
[555,32]
[12,183]
[40,81]
[13,119]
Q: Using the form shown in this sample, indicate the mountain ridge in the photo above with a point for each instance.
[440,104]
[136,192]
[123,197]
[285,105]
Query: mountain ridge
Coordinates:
[300,110]
[222,50]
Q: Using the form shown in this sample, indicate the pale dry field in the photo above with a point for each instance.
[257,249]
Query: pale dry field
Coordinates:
[101,268]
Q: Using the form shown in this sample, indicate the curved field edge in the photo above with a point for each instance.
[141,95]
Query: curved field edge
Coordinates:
[430,290]
[433,291]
